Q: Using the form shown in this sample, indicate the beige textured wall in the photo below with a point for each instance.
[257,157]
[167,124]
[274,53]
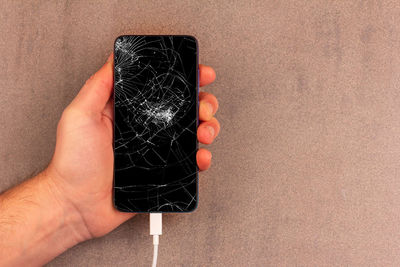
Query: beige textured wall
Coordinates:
[306,170]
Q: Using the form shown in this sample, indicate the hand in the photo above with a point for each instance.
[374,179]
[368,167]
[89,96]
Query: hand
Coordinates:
[82,166]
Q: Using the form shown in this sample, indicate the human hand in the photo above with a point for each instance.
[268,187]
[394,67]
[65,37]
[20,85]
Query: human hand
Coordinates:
[81,170]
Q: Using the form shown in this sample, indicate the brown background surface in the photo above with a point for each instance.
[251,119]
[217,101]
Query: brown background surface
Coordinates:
[306,168]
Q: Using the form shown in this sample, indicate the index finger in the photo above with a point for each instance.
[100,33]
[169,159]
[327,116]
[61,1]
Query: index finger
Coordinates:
[207,74]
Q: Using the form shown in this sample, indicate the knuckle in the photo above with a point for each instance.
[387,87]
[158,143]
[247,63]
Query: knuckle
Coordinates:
[69,113]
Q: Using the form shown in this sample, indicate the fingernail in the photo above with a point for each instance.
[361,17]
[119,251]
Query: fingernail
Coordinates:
[210,108]
[211,130]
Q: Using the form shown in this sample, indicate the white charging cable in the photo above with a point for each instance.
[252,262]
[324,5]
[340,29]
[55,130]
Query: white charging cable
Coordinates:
[155,231]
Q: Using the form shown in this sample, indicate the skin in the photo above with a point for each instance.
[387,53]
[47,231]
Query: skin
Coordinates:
[71,200]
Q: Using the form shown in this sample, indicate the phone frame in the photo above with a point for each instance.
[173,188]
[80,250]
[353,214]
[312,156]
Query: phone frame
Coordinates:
[197,123]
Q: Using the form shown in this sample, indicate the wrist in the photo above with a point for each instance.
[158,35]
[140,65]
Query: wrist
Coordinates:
[70,218]
[36,224]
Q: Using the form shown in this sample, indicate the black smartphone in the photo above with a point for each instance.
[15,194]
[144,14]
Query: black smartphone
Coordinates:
[155,123]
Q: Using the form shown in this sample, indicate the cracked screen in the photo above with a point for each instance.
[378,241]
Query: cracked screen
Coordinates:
[155,123]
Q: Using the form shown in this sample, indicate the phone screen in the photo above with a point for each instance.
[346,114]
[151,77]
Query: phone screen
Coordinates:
[155,123]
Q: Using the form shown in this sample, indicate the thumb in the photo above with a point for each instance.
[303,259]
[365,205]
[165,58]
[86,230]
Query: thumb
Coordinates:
[97,90]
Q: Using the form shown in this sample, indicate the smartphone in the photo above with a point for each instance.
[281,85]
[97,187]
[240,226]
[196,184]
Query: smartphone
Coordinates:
[155,123]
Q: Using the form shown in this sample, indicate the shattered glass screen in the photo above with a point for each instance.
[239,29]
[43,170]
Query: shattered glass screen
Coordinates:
[155,123]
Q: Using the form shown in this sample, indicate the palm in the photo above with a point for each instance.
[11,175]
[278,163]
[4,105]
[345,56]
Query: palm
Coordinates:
[84,157]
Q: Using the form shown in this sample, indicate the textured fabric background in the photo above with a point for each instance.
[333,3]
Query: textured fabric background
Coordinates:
[306,170]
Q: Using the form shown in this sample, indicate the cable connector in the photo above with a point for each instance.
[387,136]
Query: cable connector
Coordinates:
[155,231]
